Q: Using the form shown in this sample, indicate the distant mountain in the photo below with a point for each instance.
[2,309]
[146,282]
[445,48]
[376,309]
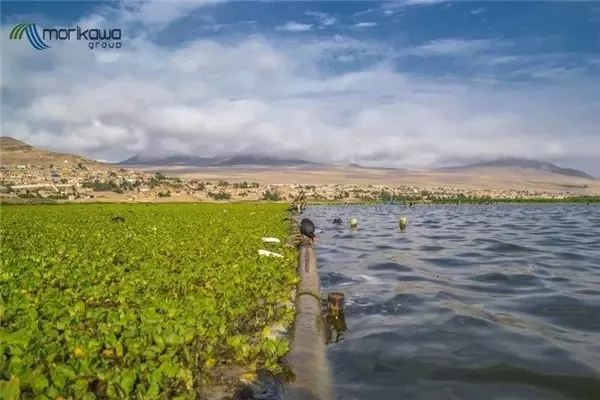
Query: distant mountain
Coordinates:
[17,152]
[171,160]
[510,162]
[379,168]
[256,160]
[193,161]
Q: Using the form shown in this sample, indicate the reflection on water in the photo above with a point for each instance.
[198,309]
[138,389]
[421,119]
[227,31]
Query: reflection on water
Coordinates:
[469,302]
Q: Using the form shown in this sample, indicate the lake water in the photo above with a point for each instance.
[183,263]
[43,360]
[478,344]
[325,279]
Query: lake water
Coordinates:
[489,302]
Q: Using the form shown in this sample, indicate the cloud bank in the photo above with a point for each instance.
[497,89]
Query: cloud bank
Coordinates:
[333,98]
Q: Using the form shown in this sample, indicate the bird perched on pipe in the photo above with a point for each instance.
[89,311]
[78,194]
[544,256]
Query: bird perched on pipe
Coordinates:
[307,228]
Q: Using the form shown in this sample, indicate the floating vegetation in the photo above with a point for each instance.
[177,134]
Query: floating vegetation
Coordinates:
[149,306]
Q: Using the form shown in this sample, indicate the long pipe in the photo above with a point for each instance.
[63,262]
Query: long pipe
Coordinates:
[307,357]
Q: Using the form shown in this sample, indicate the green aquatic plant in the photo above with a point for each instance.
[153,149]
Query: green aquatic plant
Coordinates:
[150,307]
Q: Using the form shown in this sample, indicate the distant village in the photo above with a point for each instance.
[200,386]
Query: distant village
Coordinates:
[80,183]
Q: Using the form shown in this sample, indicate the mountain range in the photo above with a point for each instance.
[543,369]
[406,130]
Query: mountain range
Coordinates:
[512,162]
[251,160]
[193,161]
[15,152]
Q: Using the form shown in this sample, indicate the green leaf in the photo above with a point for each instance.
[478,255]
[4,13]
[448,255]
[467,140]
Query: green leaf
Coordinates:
[119,349]
[128,378]
[111,339]
[187,377]
[38,381]
[52,392]
[33,314]
[172,339]
[80,387]
[153,391]
[156,376]
[16,367]
[266,332]
[158,339]
[60,375]
[169,369]
[10,390]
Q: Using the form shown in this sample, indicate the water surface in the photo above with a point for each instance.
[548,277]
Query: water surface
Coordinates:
[469,302]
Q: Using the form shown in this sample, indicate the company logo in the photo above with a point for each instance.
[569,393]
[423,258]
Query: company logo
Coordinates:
[96,38]
[32,35]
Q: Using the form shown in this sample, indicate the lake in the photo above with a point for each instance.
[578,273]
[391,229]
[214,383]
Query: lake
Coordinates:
[469,302]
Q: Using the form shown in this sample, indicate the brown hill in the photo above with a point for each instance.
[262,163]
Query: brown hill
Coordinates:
[15,152]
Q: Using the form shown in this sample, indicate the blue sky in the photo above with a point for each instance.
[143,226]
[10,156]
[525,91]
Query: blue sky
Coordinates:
[410,84]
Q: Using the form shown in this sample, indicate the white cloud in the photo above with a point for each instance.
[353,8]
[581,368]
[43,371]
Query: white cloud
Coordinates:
[390,8]
[293,26]
[272,95]
[413,2]
[503,60]
[365,25]
[451,47]
[324,19]
[557,72]
[157,14]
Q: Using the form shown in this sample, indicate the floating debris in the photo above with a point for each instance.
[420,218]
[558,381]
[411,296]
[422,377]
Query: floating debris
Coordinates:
[335,303]
[275,331]
[270,240]
[354,223]
[269,253]
[336,323]
[337,221]
[402,223]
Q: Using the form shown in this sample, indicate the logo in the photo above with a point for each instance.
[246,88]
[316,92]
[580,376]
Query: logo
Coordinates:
[32,35]
[96,38]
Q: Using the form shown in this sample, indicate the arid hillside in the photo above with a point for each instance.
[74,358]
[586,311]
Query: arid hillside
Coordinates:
[15,152]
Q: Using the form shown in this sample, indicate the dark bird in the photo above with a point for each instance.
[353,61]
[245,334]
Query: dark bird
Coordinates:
[337,221]
[307,228]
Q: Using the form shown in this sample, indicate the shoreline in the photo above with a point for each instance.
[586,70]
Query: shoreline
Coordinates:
[80,184]
[7,201]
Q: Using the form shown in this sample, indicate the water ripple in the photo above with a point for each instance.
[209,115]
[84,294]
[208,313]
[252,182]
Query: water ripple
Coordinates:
[469,302]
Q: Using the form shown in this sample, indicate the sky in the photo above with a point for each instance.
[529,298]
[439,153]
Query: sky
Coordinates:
[409,84]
